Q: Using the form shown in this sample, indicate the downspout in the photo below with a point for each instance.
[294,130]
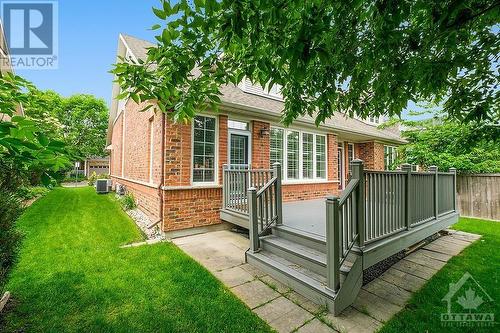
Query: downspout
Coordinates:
[162,177]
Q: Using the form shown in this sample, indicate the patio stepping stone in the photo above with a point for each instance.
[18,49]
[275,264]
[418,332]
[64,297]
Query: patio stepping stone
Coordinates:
[283,315]
[255,293]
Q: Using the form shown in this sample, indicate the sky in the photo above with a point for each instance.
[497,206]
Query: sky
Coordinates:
[88,40]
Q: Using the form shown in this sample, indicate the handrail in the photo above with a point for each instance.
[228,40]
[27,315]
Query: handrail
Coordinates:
[265,208]
[351,187]
[266,186]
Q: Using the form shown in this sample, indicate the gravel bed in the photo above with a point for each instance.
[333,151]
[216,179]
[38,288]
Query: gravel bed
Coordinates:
[371,273]
[143,222]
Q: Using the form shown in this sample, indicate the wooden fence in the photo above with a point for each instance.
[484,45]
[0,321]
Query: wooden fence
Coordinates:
[479,196]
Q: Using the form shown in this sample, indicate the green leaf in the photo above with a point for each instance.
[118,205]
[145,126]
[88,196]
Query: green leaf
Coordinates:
[155,27]
[160,13]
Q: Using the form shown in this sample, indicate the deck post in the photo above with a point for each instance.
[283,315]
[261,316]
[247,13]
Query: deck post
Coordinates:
[332,244]
[224,186]
[454,171]
[279,195]
[253,220]
[358,173]
[407,168]
[434,169]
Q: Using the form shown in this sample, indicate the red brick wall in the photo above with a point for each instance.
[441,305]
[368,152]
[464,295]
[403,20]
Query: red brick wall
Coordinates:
[294,192]
[260,145]
[135,148]
[332,157]
[190,208]
[372,154]
[223,137]
[177,154]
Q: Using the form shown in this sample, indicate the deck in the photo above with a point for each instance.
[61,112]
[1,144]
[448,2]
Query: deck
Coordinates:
[321,247]
[307,215]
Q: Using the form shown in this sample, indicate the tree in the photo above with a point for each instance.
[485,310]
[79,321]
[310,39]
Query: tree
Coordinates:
[80,120]
[363,58]
[471,148]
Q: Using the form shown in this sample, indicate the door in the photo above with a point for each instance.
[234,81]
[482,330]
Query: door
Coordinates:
[239,151]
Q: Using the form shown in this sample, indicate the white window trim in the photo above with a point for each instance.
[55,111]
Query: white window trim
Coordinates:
[216,154]
[343,162]
[302,180]
[394,156]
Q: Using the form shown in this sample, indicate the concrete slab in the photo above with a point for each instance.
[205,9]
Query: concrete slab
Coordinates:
[255,293]
[316,326]
[234,276]
[223,253]
[283,315]
[352,320]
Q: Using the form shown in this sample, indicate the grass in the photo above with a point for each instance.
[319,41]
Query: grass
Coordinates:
[72,276]
[481,260]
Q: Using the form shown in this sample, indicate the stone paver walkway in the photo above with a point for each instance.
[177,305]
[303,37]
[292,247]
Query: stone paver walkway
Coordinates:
[223,254]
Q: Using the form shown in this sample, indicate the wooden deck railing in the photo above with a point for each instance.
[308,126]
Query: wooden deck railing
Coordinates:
[236,184]
[265,208]
[377,205]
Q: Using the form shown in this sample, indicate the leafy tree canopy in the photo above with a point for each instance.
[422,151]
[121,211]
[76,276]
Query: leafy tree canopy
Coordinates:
[80,121]
[359,57]
[471,148]
[23,143]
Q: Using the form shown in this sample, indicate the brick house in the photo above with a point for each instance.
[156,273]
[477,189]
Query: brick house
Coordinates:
[175,170]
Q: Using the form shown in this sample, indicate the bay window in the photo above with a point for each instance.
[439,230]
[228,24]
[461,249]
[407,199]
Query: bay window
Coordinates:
[204,149]
[302,154]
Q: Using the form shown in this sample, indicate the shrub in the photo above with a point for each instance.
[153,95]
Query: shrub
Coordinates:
[128,201]
[27,192]
[10,210]
[92,179]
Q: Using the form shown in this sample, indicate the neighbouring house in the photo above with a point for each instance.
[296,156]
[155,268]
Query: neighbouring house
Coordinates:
[175,170]
[99,165]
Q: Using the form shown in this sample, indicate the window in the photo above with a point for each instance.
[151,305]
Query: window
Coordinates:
[238,125]
[303,155]
[320,156]
[292,151]
[307,155]
[276,149]
[203,149]
[389,157]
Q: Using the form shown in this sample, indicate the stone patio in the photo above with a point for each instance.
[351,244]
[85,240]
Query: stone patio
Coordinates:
[223,254]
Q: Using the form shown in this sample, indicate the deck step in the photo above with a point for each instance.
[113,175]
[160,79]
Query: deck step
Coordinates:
[299,254]
[305,238]
[304,281]
[296,253]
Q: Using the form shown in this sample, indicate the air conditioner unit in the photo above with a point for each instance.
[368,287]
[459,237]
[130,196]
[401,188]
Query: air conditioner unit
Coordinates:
[120,189]
[101,186]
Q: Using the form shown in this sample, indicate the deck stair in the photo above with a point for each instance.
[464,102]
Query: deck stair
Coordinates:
[378,214]
[299,260]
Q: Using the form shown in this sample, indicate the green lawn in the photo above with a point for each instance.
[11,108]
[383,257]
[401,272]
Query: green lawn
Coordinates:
[481,260]
[72,276]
